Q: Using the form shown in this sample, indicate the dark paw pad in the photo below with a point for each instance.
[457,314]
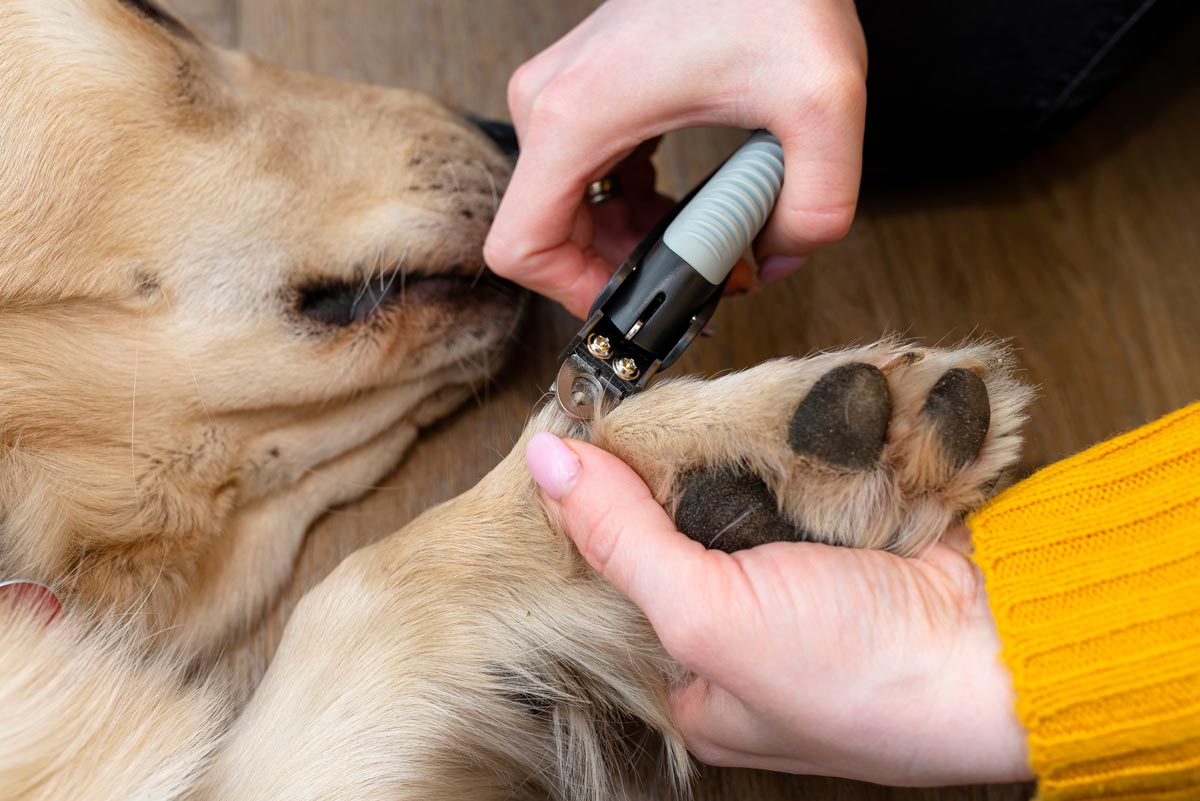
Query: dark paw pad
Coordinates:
[959,408]
[844,418]
[730,508]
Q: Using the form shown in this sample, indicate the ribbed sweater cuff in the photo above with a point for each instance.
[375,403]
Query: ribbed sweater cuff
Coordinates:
[1093,573]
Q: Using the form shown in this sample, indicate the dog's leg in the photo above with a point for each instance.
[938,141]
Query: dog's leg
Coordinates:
[470,656]
[85,712]
[474,655]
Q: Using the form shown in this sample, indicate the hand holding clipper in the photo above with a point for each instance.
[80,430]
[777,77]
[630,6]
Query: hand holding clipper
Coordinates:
[669,286]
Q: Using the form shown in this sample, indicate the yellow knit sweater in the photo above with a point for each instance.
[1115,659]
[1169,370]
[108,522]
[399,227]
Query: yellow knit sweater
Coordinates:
[1093,572]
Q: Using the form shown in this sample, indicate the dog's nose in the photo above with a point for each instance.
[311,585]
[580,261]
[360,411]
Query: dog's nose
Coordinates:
[502,133]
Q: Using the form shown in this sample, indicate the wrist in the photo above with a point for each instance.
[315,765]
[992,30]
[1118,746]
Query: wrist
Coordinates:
[965,728]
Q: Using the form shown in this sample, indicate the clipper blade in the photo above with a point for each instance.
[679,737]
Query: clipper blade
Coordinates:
[580,392]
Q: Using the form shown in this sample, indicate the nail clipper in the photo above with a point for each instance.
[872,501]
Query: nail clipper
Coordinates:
[669,286]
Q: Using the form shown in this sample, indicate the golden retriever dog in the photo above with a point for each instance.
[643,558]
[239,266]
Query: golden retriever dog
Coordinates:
[230,296]
[474,655]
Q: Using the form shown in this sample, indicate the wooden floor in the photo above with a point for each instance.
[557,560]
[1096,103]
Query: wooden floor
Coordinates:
[1087,256]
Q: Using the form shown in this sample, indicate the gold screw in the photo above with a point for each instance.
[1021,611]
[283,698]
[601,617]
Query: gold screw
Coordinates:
[626,368]
[599,346]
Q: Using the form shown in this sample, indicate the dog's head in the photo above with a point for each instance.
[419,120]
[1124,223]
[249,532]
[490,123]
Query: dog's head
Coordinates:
[217,280]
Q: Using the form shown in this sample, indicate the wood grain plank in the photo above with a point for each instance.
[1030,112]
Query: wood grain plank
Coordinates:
[1084,255]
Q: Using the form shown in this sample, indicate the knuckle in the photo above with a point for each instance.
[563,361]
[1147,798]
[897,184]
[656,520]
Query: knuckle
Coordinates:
[685,640]
[522,84]
[558,103]
[602,536]
[811,226]
[701,743]
[840,93]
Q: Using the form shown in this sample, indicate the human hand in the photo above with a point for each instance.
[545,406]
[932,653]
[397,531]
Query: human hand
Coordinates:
[633,70]
[806,658]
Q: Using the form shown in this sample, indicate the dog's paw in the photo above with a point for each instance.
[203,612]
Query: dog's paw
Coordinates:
[879,447]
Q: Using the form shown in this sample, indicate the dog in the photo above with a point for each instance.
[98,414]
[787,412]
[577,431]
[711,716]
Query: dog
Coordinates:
[230,296]
[474,655]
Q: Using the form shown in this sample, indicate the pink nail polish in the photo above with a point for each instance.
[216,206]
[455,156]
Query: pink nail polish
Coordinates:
[776,267]
[31,596]
[554,466]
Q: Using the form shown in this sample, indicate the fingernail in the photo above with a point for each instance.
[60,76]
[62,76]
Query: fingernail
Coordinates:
[776,267]
[554,466]
[32,596]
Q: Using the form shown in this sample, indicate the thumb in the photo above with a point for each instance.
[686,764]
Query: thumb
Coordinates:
[618,526]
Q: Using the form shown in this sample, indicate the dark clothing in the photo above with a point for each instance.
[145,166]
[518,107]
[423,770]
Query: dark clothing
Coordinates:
[955,84]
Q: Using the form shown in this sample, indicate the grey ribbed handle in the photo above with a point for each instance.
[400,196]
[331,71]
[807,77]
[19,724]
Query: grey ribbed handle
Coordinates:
[716,227]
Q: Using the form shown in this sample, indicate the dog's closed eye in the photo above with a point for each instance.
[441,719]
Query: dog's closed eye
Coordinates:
[342,303]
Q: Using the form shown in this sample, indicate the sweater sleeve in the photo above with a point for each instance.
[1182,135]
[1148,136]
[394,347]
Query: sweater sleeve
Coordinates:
[1093,574]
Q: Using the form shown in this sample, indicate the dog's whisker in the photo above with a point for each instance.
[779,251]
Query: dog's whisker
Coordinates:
[478,274]
[469,379]
[137,612]
[384,290]
[449,165]
[369,272]
[404,277]
[487,173]
[151,635]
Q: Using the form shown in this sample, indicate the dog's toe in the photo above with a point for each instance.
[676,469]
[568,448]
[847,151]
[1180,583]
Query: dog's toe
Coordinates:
[880,447]
[729,509]
[844,418]
[959,409]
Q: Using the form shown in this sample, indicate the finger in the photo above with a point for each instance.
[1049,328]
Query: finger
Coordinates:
[822,150]
[613,232]
[621,530]
[536,239]
[528,80]
[622,222]
[716,726]
[571,273]
[741,279]
[563,149]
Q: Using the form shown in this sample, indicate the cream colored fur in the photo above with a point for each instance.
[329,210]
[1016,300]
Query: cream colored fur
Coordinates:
[88,713]
[474,655]
[171,422]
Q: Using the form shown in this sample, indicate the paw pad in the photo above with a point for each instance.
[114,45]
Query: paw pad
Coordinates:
[731,508]
[844,418]
[959,407]
[883,450]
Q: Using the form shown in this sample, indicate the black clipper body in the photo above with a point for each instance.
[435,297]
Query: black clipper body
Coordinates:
[667,290]
[643,321]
